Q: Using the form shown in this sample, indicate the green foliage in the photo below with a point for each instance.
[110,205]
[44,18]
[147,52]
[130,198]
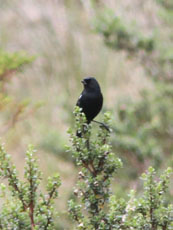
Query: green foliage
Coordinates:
[25,207]
[120,36]
[98,165]
[146,212]
[165,41]
[168,4]
[94,206]
[11,62]
[144,128]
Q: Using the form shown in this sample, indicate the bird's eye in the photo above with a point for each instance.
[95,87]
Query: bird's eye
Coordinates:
[87,80]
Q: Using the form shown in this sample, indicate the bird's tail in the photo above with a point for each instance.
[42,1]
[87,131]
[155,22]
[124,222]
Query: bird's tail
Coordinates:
[78,133]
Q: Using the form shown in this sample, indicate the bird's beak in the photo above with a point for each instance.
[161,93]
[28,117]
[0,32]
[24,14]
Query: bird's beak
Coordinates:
[83,82]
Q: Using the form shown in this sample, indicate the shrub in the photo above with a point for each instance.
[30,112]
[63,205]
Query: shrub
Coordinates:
[94,207]
[25,206]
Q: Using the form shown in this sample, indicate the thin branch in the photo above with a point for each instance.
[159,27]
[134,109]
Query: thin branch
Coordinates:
[14,185]
[31,205]
[49,219]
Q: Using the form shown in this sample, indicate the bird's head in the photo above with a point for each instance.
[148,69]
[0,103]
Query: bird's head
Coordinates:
[90,83]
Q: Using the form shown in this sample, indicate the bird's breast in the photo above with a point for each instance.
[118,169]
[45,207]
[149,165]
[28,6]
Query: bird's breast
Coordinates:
[91,104]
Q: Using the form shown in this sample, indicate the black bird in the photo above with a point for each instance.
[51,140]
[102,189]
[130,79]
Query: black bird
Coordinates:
[90,100]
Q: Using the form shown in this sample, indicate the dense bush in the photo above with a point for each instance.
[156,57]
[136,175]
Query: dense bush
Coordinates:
[98,164]
[144,129]
[119,35]
[24,205]
[94,206]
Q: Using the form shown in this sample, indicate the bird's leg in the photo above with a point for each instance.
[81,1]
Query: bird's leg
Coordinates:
[103,125]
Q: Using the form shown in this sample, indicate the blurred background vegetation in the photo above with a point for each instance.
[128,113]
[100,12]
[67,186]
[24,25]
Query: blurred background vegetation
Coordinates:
[47,47]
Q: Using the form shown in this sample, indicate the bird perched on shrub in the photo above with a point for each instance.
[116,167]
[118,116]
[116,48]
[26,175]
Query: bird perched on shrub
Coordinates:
[90,100]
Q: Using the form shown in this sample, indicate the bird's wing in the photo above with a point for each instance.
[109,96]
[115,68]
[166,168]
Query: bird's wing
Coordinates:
[79,101]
